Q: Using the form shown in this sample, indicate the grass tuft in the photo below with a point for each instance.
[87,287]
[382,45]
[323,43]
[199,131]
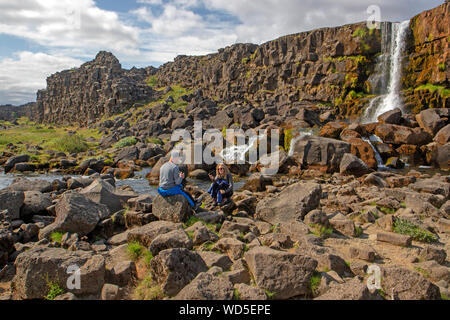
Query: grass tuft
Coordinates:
[314,282]
[71,144]
[138,252]
[148,290]
[56,237]
[407,228]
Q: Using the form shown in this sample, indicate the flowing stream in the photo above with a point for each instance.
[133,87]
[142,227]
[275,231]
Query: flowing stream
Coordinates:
[139,183]
[371,140]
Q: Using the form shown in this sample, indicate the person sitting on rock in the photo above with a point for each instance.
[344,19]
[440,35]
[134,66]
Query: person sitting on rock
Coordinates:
[171,179]
[221,189]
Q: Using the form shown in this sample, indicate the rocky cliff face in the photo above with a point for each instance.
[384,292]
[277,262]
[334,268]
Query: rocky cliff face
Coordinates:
[11,113]
[96,89]
[321,66]
[329,67]
[428,72]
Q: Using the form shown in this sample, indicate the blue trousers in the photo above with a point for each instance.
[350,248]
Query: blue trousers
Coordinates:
[174,191]
[215,188]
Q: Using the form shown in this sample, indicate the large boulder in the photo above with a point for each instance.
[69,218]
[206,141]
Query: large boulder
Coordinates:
[22,184]
[320,152]
[213,259]
[352,165]
[433,185]
[75,213]
[146,234]
[442,157]
[265,265]
[102,192]
[174,239]
[391,117]
[333,129]
[35,203]
[174,208]
[201,234]
[6,246]
[273,163]
[142,203]
[150,151]
[408,285]
[343,224]
[11,201]
[173,269]
[443,136]
[9,165]
[128,153]
[351,290]
[291,204]
[81,182]
[247,292]
[257,183]
[430,121]
[37,268]
[232,247]
[399,135]
[221,120]
[207,287]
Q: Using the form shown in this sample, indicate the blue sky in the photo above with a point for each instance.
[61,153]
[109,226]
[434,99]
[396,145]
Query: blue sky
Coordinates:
[41,37]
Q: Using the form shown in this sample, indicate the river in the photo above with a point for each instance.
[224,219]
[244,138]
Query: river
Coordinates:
[138,183]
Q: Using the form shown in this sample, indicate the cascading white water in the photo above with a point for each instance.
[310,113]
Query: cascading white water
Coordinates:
[371,140]
[391,100]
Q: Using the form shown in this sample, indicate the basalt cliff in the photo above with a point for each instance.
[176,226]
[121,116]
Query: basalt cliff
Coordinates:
[334,67]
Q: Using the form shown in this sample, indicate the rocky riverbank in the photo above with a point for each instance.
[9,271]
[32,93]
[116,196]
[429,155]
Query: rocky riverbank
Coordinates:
[323,230]
[347,198]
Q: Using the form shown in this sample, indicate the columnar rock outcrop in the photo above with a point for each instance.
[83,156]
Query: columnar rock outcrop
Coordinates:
[325,67]
[428,72]
[98,88]
[317,66]
[11,113]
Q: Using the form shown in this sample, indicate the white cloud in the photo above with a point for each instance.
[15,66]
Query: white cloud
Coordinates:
[265,20]
[173,22]
[152,2]
[67,23]
[26,72]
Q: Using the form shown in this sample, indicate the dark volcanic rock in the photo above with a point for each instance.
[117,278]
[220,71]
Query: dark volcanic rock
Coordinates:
[291,204]
[101,86]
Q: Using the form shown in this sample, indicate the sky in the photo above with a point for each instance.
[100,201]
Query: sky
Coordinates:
[41,37]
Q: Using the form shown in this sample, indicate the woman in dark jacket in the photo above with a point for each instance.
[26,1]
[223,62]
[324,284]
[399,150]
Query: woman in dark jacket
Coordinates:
[222,187]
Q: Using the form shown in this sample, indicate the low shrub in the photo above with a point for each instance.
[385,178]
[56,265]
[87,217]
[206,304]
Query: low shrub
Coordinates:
[126,142]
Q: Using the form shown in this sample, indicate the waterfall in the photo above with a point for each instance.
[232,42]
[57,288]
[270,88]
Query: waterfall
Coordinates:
[371,140]
[389,99]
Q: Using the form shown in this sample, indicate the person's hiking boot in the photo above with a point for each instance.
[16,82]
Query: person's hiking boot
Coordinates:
[197,205]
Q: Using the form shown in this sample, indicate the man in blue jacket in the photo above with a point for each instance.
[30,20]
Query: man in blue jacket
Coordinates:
[170,180]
